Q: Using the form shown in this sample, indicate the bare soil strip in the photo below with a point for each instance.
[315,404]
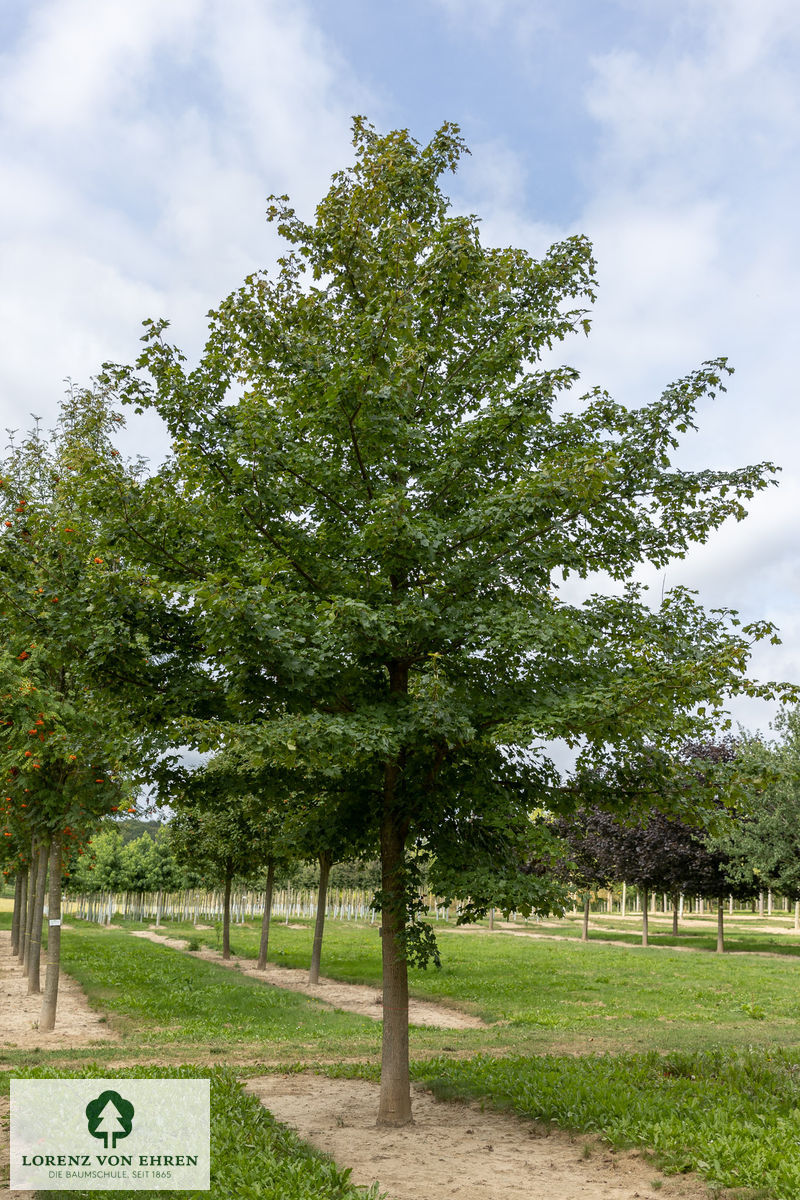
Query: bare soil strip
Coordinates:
[459,1151]
[76,1023]
[352,997]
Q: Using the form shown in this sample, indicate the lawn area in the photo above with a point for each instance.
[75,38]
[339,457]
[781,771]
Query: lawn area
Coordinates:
[577,997]
[159,997]
[693,1055]
[744,933]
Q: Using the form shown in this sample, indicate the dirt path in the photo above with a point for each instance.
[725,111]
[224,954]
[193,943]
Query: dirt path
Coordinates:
[76,1023]
[352,997]
[456,1151]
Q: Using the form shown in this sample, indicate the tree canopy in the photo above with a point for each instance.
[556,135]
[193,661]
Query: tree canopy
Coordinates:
[375,490]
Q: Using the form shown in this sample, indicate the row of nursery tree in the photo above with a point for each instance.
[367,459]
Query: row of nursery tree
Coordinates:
[345,581]
[740,848]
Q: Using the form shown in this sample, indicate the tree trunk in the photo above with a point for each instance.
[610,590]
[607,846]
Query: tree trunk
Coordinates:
[226,918]
[491,920]
[395,1101]
[32,873]
[585,928]
[319,924]
[624,901]
[720,925]
[35,947]
[23,915]
[48,1018]
[15,915]
[645,902]
[797,915]
[264,944]
[761,905]
[675,903]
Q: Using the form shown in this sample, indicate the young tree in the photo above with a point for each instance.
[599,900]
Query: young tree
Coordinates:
[664,832]
[219,831]
[763,848]
[373,491]
[589,859]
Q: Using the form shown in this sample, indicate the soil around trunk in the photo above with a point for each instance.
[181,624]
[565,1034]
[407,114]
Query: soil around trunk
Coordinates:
[352,997]
[457,1150]
[76,1023]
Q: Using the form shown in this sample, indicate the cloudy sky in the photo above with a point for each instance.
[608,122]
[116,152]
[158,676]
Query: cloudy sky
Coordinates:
[140,141]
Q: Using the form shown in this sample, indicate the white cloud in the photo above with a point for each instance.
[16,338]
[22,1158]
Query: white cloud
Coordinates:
[691,206]
[491,182]
[78,56]
[139,144]
[693,213]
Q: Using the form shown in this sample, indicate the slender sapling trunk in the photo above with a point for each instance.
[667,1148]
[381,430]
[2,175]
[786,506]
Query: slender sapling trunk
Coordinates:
[226,918]
[15,915]
[394,1107]
[32,873]
[35,948]
[720,925]
[645,902]
[675,903]
[319,924]
[50,997]
[264,944]
[23,915]
[585,926]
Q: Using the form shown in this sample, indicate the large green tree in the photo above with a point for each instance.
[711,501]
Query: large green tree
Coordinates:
[376,487]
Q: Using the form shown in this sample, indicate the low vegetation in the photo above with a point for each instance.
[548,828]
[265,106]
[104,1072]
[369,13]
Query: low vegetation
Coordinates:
[705,1043]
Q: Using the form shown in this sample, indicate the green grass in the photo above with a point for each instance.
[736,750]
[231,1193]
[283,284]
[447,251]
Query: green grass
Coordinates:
[165,997]
[694,933]
[580,996]
[251,1154]
[731,1115]
[698,1052]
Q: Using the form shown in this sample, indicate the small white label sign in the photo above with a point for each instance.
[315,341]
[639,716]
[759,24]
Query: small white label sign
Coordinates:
[122,1134]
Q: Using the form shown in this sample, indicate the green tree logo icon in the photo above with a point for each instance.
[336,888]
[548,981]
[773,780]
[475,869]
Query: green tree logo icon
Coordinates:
[109,1117]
